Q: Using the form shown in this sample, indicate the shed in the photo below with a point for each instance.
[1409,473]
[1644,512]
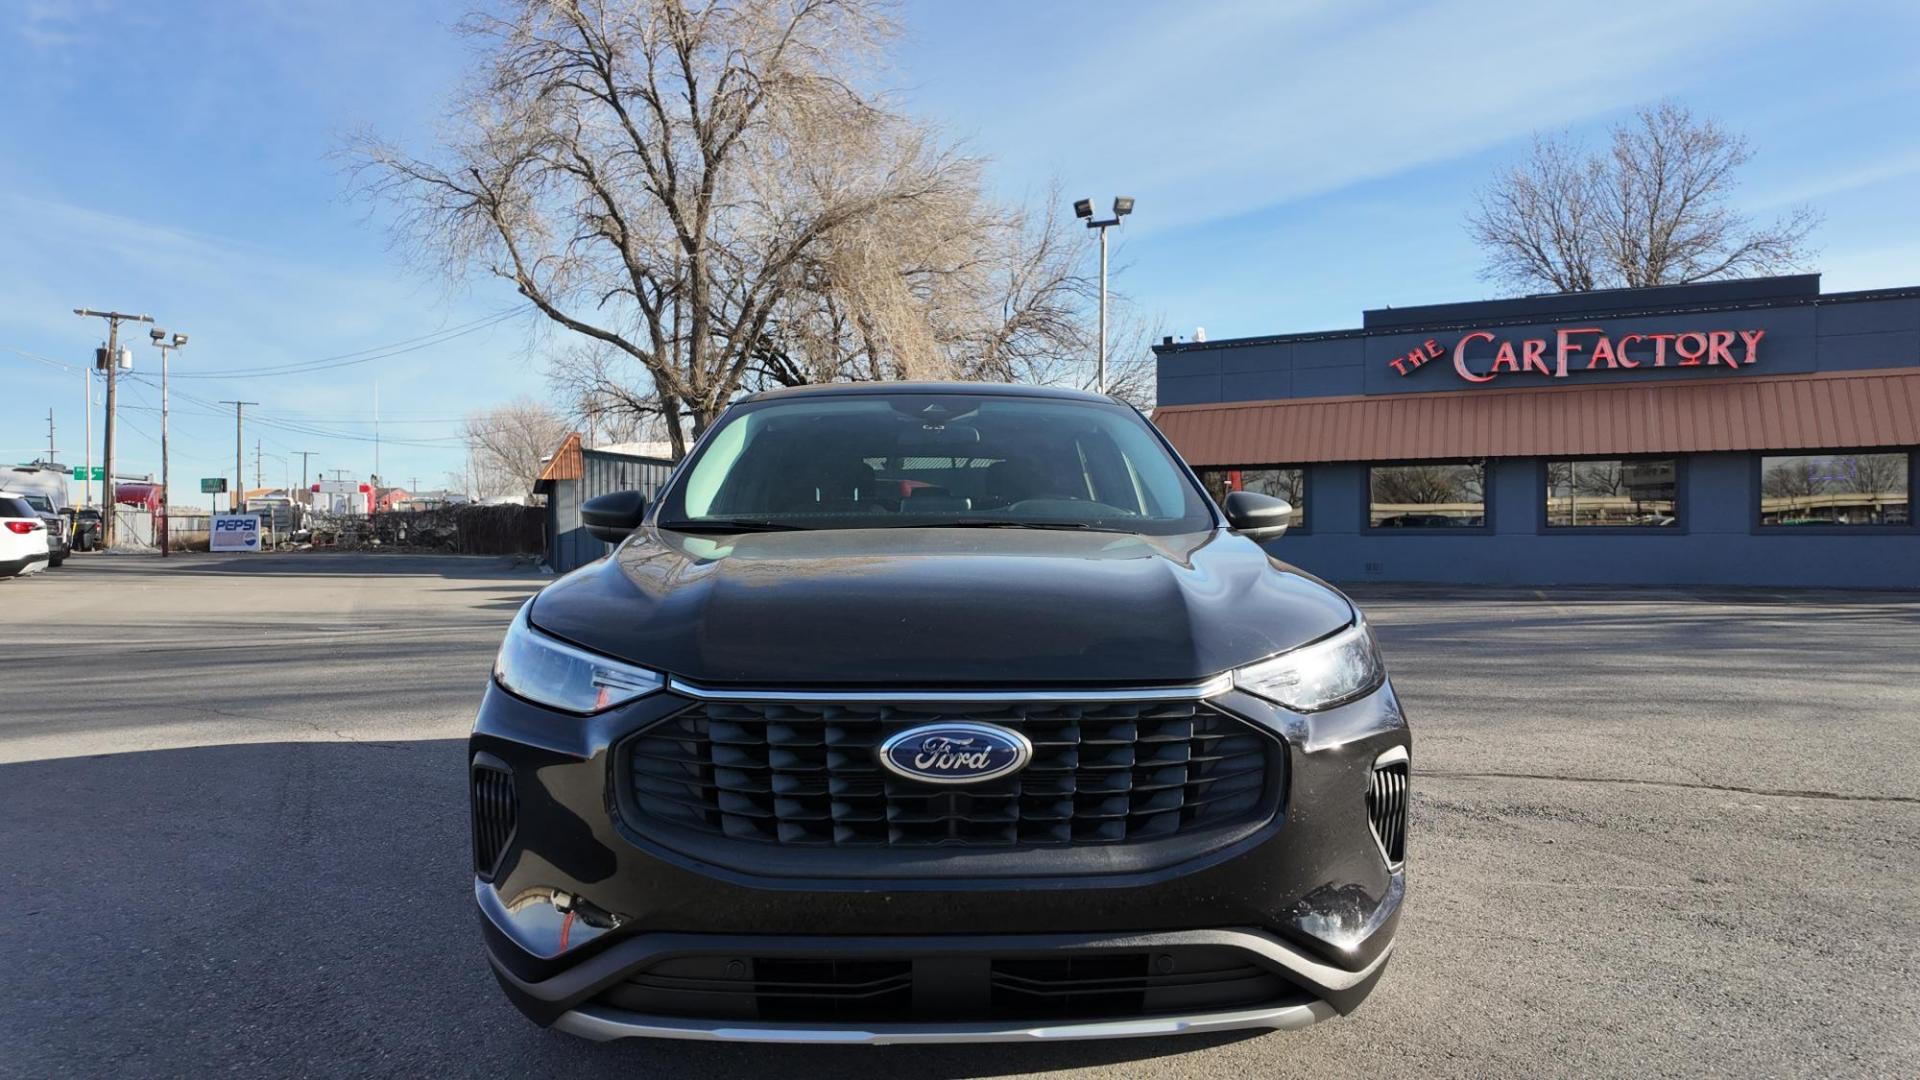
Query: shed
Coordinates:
[576,473]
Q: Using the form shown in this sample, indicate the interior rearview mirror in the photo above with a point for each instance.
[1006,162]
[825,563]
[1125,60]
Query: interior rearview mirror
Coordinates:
[612,517]
[1257,516]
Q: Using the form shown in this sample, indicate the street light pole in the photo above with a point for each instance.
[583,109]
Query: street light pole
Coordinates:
[1102,376]
[86,478]
[114,319]
[166,345]
[1122,206]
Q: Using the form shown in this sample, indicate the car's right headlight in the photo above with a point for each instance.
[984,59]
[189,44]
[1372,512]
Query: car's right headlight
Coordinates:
[550,672]
[1329,672]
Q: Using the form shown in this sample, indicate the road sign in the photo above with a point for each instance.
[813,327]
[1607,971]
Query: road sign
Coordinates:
[80,472]
[212,485]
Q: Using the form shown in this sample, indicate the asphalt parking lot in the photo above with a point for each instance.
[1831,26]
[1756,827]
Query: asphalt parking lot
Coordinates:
[1654,833]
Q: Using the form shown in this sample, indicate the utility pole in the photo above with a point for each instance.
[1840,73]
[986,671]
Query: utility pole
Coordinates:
[239,462]
[51,452]
[114,319]
[166,344]
[258,480]
[376,440]
[304,455]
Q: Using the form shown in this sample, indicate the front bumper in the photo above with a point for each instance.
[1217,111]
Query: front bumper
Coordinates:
[578,909]
[25,565]
[601,1025]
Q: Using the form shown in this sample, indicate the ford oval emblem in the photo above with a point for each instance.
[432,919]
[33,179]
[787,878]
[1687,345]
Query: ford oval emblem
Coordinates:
[955,753]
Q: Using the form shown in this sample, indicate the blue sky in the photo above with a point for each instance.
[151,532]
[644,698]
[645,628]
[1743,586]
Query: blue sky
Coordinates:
[1294,163]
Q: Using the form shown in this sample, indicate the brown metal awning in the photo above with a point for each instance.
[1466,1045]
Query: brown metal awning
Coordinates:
[1831,410]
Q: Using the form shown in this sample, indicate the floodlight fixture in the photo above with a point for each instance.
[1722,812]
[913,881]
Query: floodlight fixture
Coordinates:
[1083,208]
[1122,205]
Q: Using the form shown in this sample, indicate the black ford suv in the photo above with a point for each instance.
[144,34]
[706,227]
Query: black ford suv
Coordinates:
[919,713]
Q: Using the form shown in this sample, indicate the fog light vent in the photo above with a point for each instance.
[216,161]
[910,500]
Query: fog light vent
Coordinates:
[495,811]
[1387,805]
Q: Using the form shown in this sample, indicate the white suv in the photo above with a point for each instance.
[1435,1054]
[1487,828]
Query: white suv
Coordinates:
[23,538]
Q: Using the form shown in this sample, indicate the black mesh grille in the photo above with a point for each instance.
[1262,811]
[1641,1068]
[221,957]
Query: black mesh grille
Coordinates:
[1069,986]
[494,814]
[1101,773]
[1387,809]
[770,988]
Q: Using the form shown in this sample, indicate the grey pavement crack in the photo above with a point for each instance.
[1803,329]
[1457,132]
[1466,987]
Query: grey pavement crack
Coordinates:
[1778,793]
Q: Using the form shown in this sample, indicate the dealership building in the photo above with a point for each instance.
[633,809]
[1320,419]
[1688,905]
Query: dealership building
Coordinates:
[1754,432]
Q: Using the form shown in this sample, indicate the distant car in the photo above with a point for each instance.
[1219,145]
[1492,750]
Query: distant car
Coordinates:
[58,546]
[47,488]
[23,538]
[86,530]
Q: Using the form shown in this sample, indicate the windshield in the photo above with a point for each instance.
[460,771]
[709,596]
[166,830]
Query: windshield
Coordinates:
[39,502]
[919,459]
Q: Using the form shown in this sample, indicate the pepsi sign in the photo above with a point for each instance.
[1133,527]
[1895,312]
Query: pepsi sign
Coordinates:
[235,532]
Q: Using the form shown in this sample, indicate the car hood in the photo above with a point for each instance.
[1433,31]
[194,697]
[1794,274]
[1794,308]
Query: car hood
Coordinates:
[940,607]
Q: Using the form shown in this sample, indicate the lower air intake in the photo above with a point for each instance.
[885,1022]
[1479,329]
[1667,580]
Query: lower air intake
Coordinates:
[495,812]
[1387,809]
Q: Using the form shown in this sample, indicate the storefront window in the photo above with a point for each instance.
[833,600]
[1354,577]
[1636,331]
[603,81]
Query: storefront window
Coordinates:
[1835,489]
[1633,492]
[1450,496]
[1283,483]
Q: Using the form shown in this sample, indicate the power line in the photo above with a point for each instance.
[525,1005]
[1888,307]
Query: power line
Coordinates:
[362,356]
[50,362]
[274,422]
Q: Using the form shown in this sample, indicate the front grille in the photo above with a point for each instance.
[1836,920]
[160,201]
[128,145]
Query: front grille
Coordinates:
[495,812]
[1387,810]
[809,774]
[1065,985]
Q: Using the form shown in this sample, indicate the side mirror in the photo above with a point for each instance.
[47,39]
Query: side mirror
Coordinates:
[1257,516]
[613,517]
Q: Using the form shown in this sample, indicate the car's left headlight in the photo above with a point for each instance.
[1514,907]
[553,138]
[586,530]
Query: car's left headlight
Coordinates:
[551,672]
[1328,672]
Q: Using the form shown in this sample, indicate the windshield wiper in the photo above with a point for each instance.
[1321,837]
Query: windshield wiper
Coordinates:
[729,525]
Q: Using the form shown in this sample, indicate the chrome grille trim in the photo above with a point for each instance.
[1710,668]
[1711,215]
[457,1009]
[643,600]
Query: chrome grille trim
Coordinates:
[1200,691]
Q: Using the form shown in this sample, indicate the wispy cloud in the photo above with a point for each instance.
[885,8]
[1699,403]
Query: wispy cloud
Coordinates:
[1219,109]
[246,305]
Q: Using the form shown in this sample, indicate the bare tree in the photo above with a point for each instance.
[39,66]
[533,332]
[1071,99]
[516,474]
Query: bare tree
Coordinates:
[1427,484]
[1794,478]
[1651,210]
[1876,474]
[508,445]
[704,197]
[967,290]
[707,191]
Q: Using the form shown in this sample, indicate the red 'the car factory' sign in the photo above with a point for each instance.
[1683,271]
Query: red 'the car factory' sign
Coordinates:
[1571,344]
